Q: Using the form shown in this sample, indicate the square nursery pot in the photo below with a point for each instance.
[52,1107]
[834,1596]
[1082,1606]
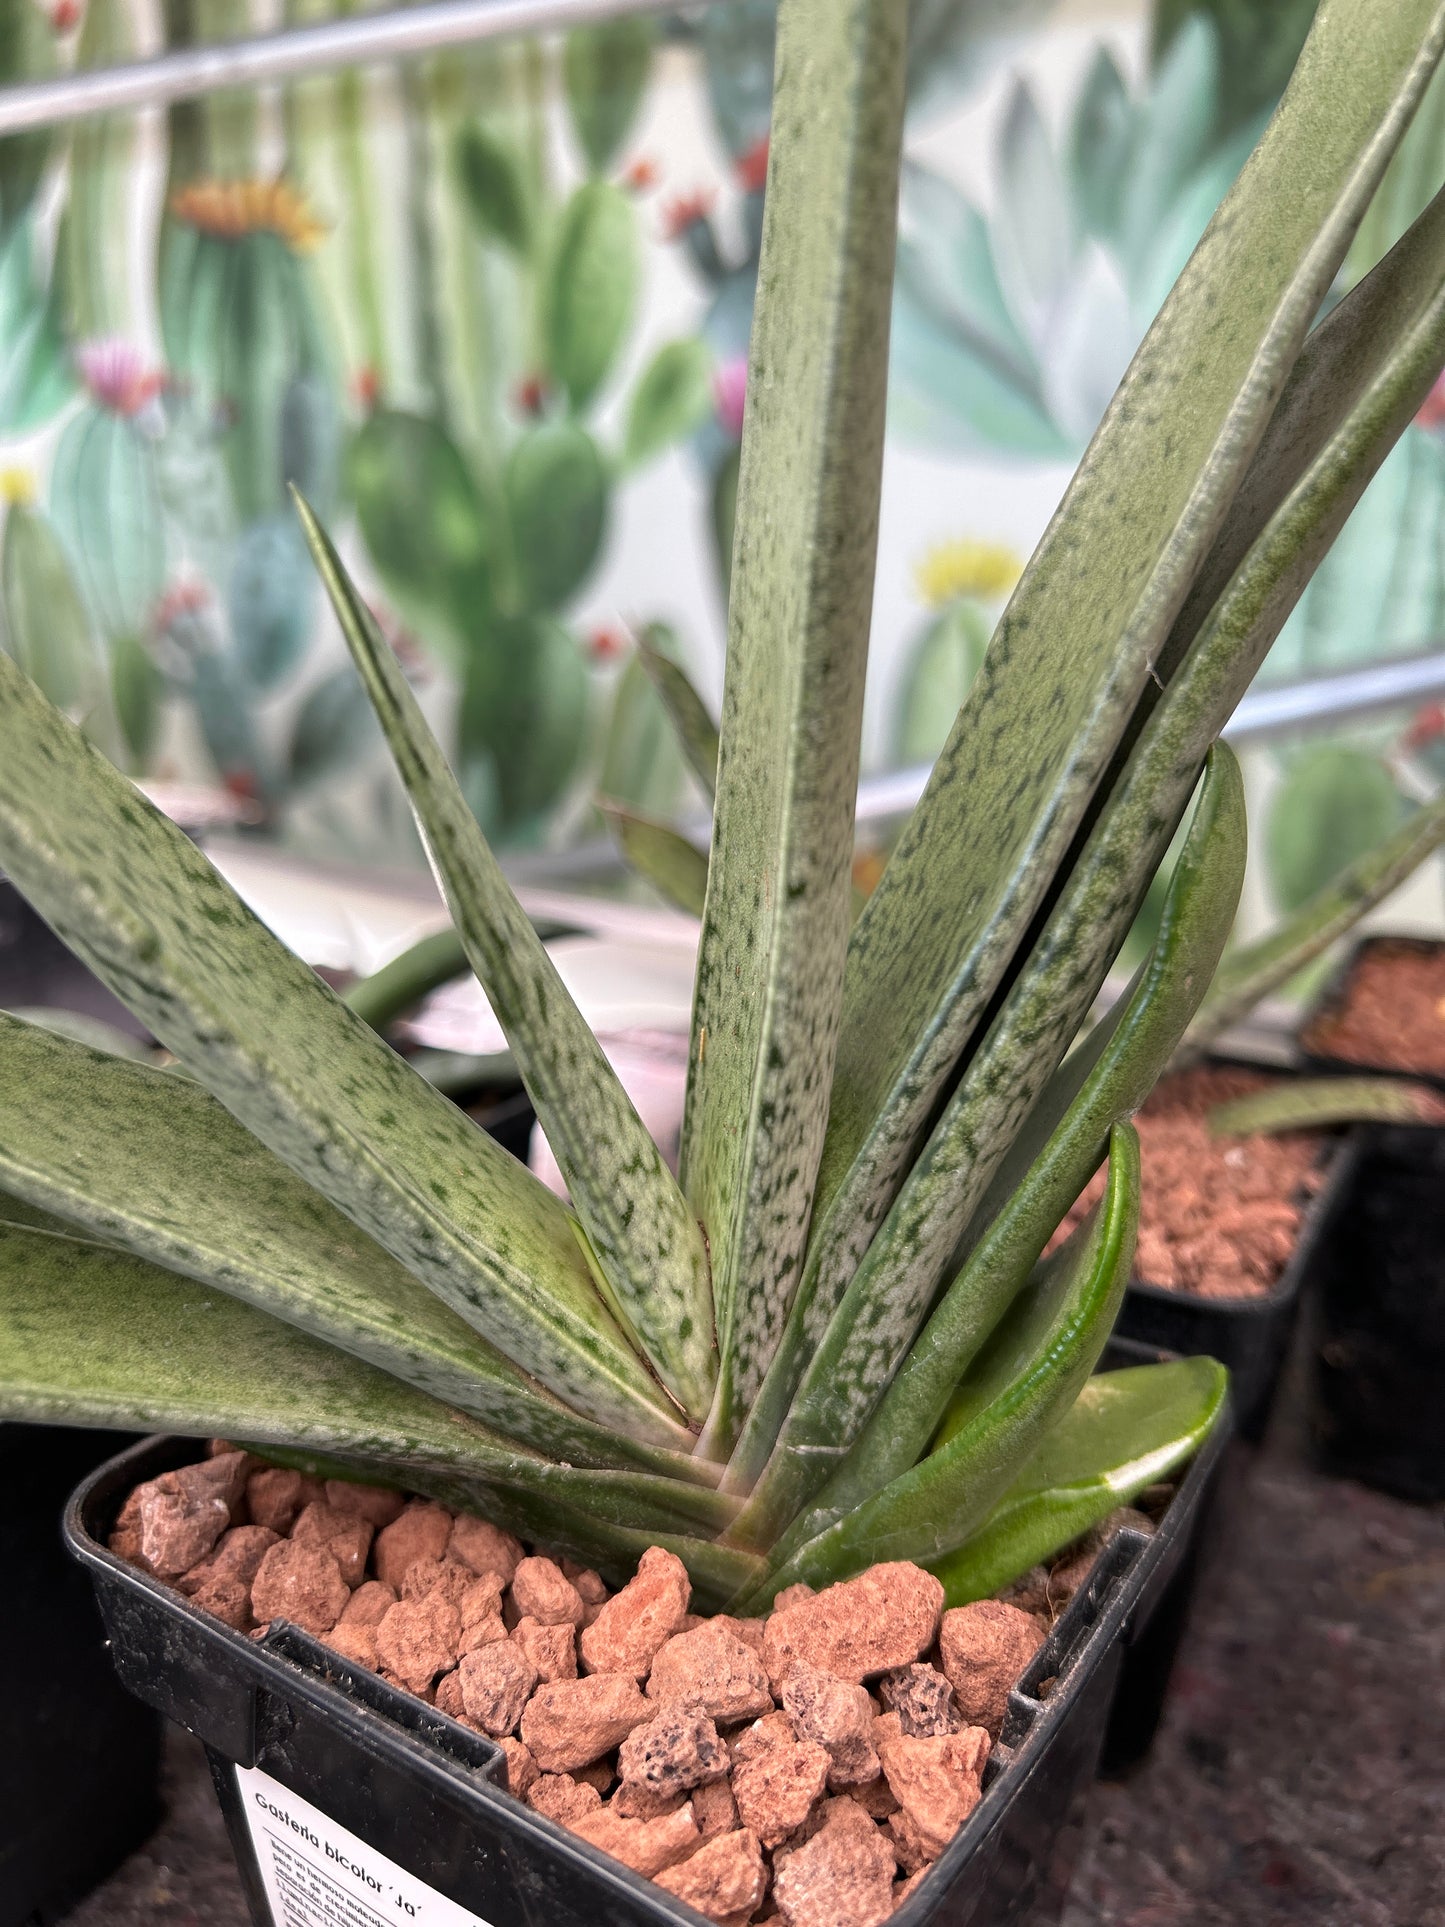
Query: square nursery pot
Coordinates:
[1377,1270]
[1338,1057]
[352,1802]
[1249,1335]
[80,1770]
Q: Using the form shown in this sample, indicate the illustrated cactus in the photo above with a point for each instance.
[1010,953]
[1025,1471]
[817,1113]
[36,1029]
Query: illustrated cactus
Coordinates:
[832,1338]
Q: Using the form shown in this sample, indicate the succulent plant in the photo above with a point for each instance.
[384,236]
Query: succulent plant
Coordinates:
[832,1338]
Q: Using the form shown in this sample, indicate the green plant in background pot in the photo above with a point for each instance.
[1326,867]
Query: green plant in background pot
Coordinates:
[831,1340]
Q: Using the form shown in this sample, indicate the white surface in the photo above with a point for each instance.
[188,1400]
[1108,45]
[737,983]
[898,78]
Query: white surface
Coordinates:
[316,1874]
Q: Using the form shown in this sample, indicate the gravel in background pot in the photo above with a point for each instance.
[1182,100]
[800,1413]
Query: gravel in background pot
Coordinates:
[1383,1010]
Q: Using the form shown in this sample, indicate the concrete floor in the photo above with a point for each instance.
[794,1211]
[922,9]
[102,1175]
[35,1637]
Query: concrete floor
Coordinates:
[1299,1775]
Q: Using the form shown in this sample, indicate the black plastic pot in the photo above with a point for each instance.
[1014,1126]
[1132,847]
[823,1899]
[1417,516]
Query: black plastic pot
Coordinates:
[411,1799]
[1249,1335]
[79,1771]
[1333,996]
[1377,1271]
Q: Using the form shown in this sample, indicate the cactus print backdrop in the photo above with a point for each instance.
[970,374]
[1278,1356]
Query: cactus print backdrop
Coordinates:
[490,312]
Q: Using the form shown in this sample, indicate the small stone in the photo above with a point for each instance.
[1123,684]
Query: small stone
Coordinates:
[676,1750]
[836,1715]
[843,1873]
[793,1596]
[725,1880]
[551,1649]
[356,1643]
[485,1547]
[124,1540]
[540,1591]
[985,1648]
[345,1535]
[299,1583]
[638,1803]
[377,1504]
[776,1790]
[420,1531]
[275,1495]
[237,1555]
[417,1639]
[937,1784]
[600,1774]
[647,1846]
[634,1625]
[711,1669]
[571,1722]
[886,1617]
[906,1889]
[183,1513]
[449,1577]
[773,1729]
[713,1808]
[561,1798]
[749,1631]
[228,1599]
[497,1682]
[876,1798]
[923,1700]
[521,1768]
[489,1630]
[368,1605]
[591,1587]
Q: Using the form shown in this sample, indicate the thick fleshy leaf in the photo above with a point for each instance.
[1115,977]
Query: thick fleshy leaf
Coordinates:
[138,902]
[1027,1376]
[1253,972]
[1317,1103]
[661,854]
[1361,379]
[402,984]
[1076,646]
[143,1160]
[1104,1081]
[696,730]
[648,1253]
[91,1336]
[775,930]
[1126,1430]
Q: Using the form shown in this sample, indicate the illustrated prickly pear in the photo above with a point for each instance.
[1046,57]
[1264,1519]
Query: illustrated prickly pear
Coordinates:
[191,644]
[494,187]
[36,374]
[524,712]
[137,691]
[642,760]
[47,628]
[426,526]
[557,490]
[1334,802]
[673,396]
[270,600]
[589,290]
[104,490]
[27,53]
[335,729]
[605,70]
[239,322]
[965,584]
[311,440]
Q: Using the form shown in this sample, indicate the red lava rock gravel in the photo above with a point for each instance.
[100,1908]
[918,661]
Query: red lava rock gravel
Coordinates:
[1393,1012]
[743,1764]
[1219,1216]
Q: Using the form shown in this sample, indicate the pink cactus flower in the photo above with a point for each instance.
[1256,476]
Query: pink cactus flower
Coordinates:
[116,376]
[729,393]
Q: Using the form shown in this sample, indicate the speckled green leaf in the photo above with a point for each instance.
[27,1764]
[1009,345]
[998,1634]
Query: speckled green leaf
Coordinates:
[1075,647]
[1025,1379]
[1253,972]
[691,718]
[774,936]
[92,1336]
[1318,1103]
[648,1250]
[661,854]
[1126,1430]
[1050,1161]
[139,903]
[605,71]
[143,1160]
[1360,381]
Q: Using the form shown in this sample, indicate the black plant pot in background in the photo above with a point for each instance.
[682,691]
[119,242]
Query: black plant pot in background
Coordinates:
[80,1764]
[1335,994]
[361,1783]
[1377,1275]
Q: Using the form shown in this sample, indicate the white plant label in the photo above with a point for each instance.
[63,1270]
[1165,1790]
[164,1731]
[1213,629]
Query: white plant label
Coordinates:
[316,1874]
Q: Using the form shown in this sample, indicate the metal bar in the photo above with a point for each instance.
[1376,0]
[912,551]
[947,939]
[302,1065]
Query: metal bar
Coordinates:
[358,40]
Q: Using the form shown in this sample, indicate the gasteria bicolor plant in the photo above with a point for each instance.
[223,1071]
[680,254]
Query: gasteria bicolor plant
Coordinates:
[832,1338]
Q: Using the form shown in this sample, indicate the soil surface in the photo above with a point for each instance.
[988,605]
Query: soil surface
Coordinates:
[1299,1775]
[1393,1012]
[1219,1216]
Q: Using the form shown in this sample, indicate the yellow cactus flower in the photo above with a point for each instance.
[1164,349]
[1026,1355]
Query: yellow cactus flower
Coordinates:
[233,209]
[987,570]
[17,487]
